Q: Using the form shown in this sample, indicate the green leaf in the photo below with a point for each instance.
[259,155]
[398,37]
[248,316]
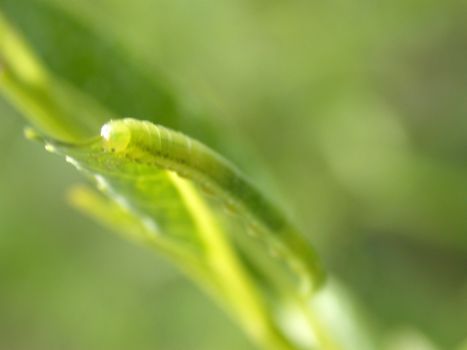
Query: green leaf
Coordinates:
[176,195]
[196,207]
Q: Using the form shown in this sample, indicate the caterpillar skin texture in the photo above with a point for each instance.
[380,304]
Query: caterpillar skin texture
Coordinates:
[191,159]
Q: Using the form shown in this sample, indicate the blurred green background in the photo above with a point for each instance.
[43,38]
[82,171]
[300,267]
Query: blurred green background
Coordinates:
[353,113]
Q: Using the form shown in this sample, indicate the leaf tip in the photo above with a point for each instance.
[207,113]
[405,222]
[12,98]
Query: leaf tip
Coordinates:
[31,134]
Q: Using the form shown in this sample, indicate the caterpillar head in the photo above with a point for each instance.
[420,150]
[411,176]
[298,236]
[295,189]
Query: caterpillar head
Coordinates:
[116,135]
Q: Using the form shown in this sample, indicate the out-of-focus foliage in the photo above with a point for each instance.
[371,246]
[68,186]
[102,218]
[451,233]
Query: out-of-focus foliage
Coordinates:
[357,108]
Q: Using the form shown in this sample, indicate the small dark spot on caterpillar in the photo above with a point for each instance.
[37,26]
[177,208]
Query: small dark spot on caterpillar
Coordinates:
[230,208]
[182,173]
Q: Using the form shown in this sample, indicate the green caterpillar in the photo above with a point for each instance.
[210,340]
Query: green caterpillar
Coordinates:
[144,142]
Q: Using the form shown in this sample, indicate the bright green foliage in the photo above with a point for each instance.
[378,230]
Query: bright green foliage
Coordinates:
[191,204]
[169,191]
[343,102]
